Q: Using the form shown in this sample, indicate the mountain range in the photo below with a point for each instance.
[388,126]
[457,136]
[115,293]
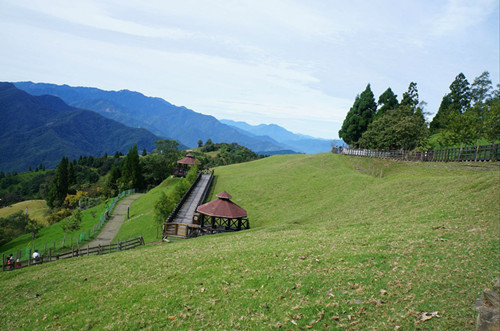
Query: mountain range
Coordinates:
[292,141]
[42,129]
[180,123]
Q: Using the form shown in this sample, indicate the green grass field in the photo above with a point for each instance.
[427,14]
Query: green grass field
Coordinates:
[141,220]
[336,242]
[53,235]
[37,209]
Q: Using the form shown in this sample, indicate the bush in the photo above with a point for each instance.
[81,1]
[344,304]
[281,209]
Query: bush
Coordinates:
[58,215]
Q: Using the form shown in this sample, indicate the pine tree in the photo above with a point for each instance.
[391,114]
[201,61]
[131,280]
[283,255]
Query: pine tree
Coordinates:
[460,94]
[387,101]
[59,186]
[71,174]
[132,176]
[359,117]
[410,97]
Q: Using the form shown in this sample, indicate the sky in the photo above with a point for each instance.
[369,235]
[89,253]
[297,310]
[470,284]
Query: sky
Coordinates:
[298,64]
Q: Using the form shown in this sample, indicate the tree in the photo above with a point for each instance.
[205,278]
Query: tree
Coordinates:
[157,167]
[491,120]
[131,170]
[441,119]
[460,94]
[400,128]
[144,152]
[164,207]
[200,143]
[13,226]
[73,222]
[410,97]
[387,100]
[359,117]
[480,89]
[209,146]
[59,185]
[32,227]
[167,147]
[111,186]
[71,174]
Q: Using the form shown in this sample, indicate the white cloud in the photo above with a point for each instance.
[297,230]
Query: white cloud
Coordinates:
[285,61]
[459,15]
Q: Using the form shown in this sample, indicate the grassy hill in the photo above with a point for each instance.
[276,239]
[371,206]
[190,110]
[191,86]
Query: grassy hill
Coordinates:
[336,242]
[141,219]
[37,209]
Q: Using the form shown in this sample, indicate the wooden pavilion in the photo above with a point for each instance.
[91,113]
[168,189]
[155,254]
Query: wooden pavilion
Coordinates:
[222,214]
[183,165]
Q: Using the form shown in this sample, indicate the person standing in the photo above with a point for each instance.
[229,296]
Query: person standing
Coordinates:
[36,256]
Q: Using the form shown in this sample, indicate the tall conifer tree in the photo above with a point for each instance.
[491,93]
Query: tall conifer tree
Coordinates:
[359,117]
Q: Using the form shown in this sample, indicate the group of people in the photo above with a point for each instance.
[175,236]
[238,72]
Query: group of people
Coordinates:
[11,264]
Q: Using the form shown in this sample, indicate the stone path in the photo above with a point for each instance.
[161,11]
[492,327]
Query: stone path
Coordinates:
[115,222]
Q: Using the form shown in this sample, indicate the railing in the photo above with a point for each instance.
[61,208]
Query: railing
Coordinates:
[180,230]
[75,239]
[207,188]
[173,214]
[459,154]
[75,252]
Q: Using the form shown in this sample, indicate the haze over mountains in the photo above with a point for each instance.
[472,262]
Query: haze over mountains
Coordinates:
[297,142]
[43,122]
[173,122]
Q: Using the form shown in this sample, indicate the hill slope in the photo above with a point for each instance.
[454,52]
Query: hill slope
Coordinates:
[336,242]
[155,114]
[43,129]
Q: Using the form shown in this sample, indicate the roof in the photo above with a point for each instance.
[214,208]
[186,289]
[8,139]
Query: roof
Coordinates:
[222,207]
[189,159]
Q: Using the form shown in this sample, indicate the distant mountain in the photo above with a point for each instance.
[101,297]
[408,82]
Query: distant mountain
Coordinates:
[43,129]
[298,142]
[155,114]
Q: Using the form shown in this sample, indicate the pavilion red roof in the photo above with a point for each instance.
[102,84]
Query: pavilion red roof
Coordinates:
[189,159]
[222,207]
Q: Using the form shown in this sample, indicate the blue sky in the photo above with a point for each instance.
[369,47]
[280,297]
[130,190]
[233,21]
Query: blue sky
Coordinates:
[299,64]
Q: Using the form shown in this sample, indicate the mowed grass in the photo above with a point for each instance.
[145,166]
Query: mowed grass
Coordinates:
[37,210]
[336,242]
[141,219]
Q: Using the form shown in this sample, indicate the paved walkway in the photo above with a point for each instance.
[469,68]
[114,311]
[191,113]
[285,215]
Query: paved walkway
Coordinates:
[185,214]
[115,222]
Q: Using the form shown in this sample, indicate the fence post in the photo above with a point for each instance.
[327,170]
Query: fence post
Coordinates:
[50,254]
[29,257]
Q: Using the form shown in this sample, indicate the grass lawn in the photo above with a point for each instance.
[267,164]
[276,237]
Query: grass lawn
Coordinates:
[335,242]
[141,220]
[37,209]
[53,235]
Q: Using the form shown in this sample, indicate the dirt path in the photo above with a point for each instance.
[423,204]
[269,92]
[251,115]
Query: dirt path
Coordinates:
[115,222]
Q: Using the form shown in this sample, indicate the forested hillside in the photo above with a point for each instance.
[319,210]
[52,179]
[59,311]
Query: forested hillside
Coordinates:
[155,114]
[41,130]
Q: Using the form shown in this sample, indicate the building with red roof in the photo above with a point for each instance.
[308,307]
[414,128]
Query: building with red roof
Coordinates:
[184,164]
[222,213]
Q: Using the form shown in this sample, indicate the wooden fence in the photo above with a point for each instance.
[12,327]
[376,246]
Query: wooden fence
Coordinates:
[75,252]
[460,154]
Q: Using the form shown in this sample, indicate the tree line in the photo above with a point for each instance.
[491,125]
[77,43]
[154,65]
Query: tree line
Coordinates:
[468,114]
